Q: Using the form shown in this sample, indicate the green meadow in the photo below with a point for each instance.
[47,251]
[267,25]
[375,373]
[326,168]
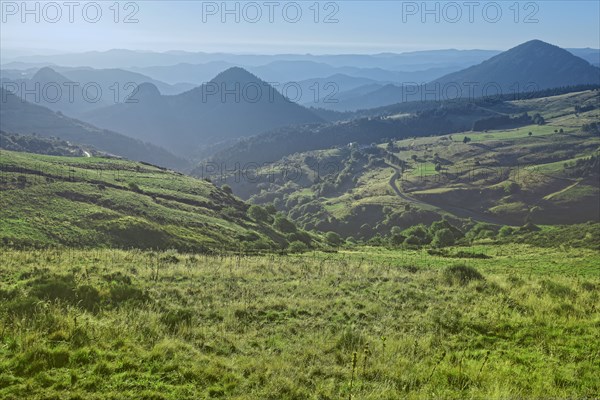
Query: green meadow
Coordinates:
[486,321]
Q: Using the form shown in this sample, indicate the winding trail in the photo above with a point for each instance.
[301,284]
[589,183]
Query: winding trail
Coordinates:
[457,211]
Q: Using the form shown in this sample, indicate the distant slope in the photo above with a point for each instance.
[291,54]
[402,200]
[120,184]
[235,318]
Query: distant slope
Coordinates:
[109,77]
[590,55]
[18,116]
[73,91]
[43,145]
[234,104]
[546,174]
[534,65]
[117,58]
[99,202]
[271,146]
[531,66]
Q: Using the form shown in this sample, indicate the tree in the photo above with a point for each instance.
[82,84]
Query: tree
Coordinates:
[417,235]
[258,213]
[227,189]
[530,133]
[270,208]
[443,238]
[466,140]
[333,238]
[396,236]
[284,225]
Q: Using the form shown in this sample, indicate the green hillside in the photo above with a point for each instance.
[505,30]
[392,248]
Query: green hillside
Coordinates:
[102,202]
[546,174]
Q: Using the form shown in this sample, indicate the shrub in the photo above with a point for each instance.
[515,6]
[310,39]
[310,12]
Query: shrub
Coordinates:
[301,236]
[333,238]
[258,213]
[482,230]
[88,297]
[121,293]
[505,231]
[417,235]
[58,287]
[284,225]
[462,274]
[227,189]
[134,186]
[443,238]
[297,247]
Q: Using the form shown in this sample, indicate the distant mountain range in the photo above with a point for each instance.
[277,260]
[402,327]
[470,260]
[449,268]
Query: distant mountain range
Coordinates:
[73,91]
[234,104]
[534,65]
[237,104]
[531,66]
[407,61]
[21,117]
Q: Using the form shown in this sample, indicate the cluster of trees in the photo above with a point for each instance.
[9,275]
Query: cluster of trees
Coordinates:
[38,144]
[438,234]
[297,240]
[581,109]
[583,167]
[506,121]
[593,128]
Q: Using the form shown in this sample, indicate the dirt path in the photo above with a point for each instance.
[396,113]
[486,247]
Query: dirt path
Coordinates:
[457,211]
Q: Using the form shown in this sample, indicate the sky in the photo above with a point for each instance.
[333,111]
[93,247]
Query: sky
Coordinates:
[274,27]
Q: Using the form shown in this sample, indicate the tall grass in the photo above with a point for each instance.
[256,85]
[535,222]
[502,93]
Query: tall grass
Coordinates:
[105,324]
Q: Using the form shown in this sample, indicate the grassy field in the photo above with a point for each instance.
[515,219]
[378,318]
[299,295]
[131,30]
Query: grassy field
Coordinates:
[505,321]
[93,201]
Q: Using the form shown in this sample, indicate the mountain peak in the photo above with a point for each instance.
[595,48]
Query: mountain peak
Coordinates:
[237,75]
[530,66]
[47,74]
[147,89]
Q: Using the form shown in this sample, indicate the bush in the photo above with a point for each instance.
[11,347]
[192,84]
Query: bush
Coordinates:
[227,189]
[443,238]
[134,186]
[121,293]
[333,238]
[284,225]
[417,235]
[506,231]
[297,247]
[462,274]
[482,230]
[258,213]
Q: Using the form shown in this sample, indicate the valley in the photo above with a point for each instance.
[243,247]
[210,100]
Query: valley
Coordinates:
[294,224]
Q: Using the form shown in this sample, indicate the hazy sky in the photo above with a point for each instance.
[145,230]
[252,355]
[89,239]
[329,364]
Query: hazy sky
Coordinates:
[294,27]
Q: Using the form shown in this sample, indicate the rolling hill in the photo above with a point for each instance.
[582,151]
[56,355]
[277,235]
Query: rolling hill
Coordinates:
[545,174]
[21,117]
[533,65]
[94,202]
[233,104]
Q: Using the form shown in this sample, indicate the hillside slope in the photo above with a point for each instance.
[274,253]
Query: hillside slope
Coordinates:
[100,202]
[533,65]
[545,173]
[234,104]
[21,117]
